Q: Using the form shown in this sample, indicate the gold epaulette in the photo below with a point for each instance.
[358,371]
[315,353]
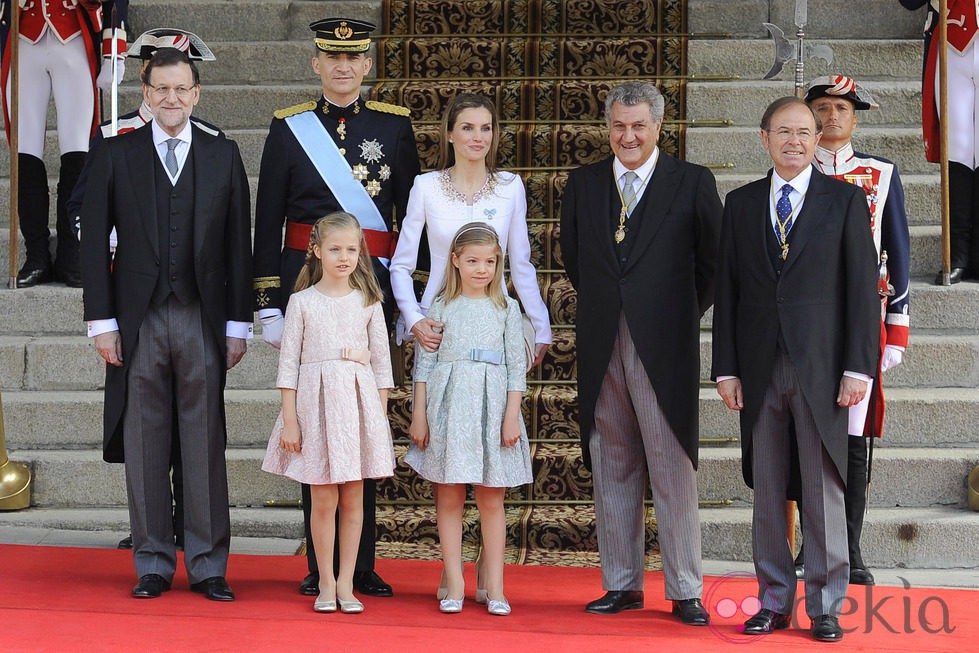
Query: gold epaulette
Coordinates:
[384,107]
[293,110]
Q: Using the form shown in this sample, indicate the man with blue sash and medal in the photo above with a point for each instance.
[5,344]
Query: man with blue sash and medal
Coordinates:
[337,153]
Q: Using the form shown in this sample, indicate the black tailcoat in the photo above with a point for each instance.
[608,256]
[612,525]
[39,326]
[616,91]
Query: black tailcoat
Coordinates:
[663,290]
[824,303]
[121,193]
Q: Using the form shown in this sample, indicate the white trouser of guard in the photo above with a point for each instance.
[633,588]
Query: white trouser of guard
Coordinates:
[50,67]
[963,123]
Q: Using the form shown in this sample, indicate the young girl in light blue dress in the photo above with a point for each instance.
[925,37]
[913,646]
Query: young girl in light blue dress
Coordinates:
[466,425]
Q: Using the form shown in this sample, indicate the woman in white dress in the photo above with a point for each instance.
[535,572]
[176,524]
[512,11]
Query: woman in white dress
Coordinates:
[466,188]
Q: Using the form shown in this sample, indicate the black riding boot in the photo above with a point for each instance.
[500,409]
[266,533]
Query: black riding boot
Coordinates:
[974,249]
[961,216]
[66,264]
[32,205]
[856,505]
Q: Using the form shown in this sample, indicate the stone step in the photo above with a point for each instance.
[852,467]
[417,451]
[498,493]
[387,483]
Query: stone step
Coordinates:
[250,141]
[940,476]
[935,309]
[79,478]
[222,105]
[899,100]
[217,21]
[926,538]
[921,193]
[52,219]
[932,538]
[544,143]
[750,60]
[544,199]
[827,18]
[54,420]
[739,149]
[54,309]
[50,363]
[916,417]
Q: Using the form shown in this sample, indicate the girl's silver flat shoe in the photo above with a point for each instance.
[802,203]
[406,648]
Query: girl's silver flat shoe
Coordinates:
[322,604]
[450,606]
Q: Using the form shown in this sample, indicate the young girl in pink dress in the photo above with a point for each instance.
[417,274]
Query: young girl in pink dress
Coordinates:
[334,374]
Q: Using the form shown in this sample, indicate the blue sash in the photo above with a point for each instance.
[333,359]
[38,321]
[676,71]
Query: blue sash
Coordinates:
[325,156]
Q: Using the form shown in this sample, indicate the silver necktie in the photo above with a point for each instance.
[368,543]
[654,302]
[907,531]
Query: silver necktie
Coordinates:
[629,191]
[171,158]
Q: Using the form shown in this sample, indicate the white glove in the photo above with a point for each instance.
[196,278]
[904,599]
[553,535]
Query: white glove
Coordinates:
[272,326]
[104,80]
[892,357]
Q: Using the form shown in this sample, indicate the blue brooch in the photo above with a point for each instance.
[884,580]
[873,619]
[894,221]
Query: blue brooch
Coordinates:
[489,213]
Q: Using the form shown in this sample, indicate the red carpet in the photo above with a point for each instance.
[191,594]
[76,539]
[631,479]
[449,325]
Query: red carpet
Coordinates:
[61,599]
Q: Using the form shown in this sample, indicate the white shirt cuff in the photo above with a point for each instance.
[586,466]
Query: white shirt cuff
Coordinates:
[243,330]
[858,375]
[269,312]
[98,327]
[725,378]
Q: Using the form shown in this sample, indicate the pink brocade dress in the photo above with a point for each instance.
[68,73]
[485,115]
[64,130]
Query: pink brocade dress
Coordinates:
[345,431]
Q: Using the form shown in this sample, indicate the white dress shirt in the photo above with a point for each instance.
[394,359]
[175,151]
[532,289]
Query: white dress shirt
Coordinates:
[643,172]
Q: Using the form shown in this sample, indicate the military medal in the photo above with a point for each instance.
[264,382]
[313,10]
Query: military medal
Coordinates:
[360,172]
[371,151]
[342,128]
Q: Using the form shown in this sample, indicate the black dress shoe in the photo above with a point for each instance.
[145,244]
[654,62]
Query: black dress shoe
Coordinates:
[691,612]
[150,586]
[614,602]
[765,622]
[126,542]
[955,275]
[369,583]
[71,278]
[215,588]
[310,585]
[860,576]
[33,276]
[826,628]
[800,571]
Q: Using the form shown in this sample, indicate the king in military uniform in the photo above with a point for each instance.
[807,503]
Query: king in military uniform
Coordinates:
[338,153]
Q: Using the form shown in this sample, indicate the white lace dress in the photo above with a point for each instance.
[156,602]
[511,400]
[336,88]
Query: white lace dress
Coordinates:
[345,432]
[466,399]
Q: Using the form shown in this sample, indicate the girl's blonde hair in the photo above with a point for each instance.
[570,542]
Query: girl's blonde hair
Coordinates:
[362,278]
[474,233]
